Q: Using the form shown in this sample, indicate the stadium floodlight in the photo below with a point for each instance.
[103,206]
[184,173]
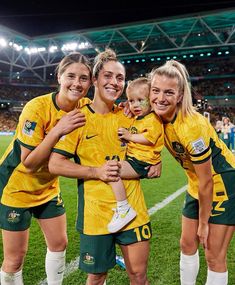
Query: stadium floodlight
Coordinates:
[53,49]
[15,46]
[3,42]
[69,46]
[33,50]
[84,45]
[73,46]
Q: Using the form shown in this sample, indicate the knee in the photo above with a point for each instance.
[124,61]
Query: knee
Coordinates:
[138,277]
[216,262]
[58,244]
[64,243]
[188,246]
[14,262]
[96,279]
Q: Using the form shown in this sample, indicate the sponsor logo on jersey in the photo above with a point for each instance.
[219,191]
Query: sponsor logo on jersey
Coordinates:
[29,128]
[88,259]
[90,137]
[215,215]
[199,145]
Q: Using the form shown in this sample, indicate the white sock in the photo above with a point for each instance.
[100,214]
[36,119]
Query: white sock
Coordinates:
[122,205]
[55,265]
[189,267]
[11,278]
[216,278]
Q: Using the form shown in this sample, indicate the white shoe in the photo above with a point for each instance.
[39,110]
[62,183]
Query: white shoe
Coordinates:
[121,219]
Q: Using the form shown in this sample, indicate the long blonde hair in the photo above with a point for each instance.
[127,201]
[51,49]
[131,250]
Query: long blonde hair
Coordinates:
[175,69]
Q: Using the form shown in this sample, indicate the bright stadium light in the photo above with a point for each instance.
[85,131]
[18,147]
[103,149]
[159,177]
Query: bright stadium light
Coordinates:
[34,50]
[3,42]
[69,46]
[74,46]
[15,46]
[84,45]
[53,49]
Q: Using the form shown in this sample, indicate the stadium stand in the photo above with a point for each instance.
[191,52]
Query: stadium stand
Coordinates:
[205,43]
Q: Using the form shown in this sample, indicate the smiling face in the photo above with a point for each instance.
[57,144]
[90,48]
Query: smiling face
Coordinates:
[110,82]
[165,96]
[74,82]
[138,98]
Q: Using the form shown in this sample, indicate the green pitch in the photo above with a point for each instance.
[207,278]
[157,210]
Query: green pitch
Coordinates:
[163,266]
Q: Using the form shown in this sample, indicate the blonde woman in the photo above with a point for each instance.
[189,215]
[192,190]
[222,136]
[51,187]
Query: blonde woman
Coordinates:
[209,213]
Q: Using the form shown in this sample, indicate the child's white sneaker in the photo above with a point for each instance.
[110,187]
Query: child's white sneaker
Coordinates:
[121,219]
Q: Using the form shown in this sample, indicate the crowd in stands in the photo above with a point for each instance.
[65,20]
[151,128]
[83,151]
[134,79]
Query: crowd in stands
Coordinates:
[214,87]
[8,120]
[22,93]
[208,78]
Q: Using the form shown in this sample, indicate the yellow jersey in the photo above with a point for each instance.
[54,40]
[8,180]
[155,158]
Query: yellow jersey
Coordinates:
[151,127]
[93,145]
[194,141]
[18,187]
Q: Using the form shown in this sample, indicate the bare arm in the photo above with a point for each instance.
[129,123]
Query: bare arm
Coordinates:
[61,165]
[34,159]
[205,193]
[136,138]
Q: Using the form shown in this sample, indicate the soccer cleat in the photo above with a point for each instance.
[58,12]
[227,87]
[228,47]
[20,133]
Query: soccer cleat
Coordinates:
[121,219]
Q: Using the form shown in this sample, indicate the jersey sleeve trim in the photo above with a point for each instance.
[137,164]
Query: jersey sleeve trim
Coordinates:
[65,153]
[30,147]
[201,161]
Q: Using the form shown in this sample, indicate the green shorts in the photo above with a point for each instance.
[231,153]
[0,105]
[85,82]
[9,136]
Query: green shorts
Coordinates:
[140,167]
[222,213]
[19,219]
[98,253]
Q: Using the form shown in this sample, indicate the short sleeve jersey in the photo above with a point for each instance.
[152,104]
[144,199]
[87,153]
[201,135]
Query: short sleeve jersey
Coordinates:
[194,141]
[151,127]
[18,187]
[92,145]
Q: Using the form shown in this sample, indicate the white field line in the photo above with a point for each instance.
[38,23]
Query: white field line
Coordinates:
[166,201]
[73,265]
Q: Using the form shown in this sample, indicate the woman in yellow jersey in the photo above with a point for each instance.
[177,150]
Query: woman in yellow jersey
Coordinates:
[92,145]
[209,213]
[27,188]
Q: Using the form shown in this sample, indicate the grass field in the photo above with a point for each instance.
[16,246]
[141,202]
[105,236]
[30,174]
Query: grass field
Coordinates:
[163,266]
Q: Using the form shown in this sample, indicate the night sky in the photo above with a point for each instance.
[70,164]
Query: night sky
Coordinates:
[37,17]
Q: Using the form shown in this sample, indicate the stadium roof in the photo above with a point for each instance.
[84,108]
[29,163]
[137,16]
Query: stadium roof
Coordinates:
[177,35]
